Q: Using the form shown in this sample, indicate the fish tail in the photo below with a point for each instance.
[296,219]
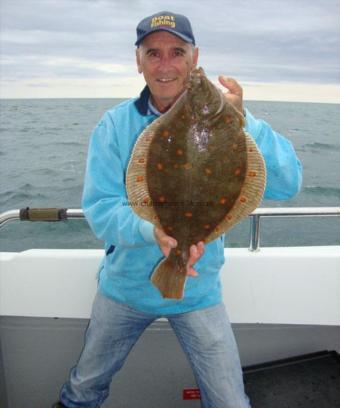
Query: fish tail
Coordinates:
[169,277]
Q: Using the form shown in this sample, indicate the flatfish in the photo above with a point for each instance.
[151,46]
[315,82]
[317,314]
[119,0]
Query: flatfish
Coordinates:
[194,173]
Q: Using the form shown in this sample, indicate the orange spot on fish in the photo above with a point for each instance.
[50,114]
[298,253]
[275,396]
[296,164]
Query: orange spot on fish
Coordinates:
[146,200]
[208,171]
[252,174]
[178,252]
[228,217]
[223,200]
[179,152]
[169,228]
[243,199]
[161,199]
[160,166]
[166,133]
[206,226]
[188,214]
[250,149]
[139,179]
[228,119]
[237,172]
[187,166]
[176,166]
[141,160]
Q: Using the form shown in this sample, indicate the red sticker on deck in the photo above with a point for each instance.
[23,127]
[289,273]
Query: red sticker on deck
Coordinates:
[191,393]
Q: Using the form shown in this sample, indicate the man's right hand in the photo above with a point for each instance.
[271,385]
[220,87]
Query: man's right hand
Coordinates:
[166,243]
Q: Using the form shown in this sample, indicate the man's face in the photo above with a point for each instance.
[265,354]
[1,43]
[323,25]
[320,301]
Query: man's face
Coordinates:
[166,62]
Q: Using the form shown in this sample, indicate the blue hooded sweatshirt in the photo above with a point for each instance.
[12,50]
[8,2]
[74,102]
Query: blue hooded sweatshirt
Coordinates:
[131,249]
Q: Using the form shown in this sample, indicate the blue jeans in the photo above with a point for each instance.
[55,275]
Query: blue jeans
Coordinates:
[205,336]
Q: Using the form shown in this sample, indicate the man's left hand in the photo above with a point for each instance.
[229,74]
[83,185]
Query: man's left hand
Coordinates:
[235,92]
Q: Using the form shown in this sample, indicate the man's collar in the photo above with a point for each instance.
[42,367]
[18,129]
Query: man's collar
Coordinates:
[142,102]
[152,110]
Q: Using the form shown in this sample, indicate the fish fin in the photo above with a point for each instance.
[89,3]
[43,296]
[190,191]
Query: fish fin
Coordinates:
[169,280]
[251,192]
[136,178]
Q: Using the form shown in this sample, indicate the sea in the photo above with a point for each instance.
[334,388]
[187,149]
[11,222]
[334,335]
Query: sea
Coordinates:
[43,149]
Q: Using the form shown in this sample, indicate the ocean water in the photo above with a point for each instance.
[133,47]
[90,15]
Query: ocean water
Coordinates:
[43,147]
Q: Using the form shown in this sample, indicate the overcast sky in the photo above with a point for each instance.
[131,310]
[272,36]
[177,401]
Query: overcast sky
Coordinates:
[277,50]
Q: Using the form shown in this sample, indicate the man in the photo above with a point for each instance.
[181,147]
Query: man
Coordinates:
[127,302]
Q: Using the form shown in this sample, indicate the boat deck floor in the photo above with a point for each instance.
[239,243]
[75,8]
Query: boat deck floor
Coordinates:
[308,381]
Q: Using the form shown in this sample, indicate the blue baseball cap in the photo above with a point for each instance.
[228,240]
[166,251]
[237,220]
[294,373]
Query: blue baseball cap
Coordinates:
[165,21]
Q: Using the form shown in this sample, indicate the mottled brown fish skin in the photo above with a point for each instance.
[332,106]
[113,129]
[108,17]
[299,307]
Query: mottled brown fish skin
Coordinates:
[196,167]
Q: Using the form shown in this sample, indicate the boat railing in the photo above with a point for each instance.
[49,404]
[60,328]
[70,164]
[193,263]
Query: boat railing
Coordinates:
[64,214]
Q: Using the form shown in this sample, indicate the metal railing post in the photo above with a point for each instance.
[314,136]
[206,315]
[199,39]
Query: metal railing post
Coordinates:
[254,244]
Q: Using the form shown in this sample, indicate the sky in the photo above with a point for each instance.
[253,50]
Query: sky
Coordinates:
[277,50]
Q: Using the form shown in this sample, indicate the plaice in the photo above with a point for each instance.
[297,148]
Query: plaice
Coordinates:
[195,173]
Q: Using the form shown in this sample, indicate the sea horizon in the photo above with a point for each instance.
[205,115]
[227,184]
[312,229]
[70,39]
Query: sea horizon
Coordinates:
[131,97]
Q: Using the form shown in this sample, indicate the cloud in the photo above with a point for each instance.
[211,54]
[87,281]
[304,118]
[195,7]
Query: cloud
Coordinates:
[296,41]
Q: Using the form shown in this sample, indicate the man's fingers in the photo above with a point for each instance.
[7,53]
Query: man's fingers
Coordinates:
[192,272]
[224,80]
[231,84]
[165,239]
[235,94]
[200,248]
[169,242]
[165,242]
[195,253]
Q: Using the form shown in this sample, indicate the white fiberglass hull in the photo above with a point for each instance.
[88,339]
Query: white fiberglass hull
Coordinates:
[282,302]
[291,285]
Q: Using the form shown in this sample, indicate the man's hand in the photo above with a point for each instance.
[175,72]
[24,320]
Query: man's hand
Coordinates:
[166,243]
[235,92]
